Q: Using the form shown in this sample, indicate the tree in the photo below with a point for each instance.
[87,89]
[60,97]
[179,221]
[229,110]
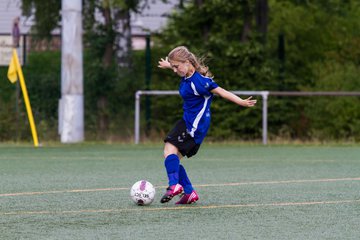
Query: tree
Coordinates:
[262,11]
[46,15]
[319,38]
[320,51]
[232,49]
[107,40]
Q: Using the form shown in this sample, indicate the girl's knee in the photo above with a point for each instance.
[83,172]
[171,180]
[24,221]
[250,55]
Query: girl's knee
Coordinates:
[170,149]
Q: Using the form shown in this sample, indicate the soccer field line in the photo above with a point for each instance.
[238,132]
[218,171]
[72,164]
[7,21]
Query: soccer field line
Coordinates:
[279,182]
[196,185]
[178,208]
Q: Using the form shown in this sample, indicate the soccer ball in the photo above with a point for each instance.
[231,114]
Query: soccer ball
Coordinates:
[142,193]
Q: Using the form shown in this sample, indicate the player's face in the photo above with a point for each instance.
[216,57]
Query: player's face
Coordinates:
[183,69]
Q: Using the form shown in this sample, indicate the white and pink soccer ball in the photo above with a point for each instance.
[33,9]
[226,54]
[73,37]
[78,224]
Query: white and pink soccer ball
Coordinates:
[142,193]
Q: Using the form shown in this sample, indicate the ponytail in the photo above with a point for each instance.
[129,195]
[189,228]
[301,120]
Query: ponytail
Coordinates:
[182,54]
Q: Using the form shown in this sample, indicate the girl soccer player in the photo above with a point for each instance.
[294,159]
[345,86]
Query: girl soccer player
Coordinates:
[196,89]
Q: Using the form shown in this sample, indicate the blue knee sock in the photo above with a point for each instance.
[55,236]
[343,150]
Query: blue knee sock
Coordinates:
[172,163]
[184,180]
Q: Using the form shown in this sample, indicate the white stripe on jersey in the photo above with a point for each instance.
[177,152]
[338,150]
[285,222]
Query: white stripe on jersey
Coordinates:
[194,89]
[200,114]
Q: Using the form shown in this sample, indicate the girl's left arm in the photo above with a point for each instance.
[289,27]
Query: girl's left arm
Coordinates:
[248,102]
[164,63]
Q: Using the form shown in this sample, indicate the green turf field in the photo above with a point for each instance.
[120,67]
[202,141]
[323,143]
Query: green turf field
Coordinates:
[246,192]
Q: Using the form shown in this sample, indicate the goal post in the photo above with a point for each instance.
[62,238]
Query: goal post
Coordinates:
[139,93]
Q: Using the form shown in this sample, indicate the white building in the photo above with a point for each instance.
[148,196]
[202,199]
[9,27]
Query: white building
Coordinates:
[152,18]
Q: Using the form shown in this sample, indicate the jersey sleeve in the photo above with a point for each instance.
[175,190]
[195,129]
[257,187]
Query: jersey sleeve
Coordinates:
[204,85]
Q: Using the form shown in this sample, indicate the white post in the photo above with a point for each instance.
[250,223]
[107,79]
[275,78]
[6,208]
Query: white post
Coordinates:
[137,117]
[265,95]
[71,108]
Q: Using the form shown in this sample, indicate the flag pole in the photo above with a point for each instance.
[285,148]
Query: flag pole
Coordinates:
[26,98]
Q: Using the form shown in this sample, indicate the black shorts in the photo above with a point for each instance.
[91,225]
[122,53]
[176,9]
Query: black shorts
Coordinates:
[180,138]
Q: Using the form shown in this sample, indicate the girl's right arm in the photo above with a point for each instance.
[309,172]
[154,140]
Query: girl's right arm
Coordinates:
[164,63]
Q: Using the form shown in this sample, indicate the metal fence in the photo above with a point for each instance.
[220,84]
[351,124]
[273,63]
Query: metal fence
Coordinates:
[263,94]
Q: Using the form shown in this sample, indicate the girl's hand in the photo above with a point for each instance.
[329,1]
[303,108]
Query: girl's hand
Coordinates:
[249,102]
[164,63]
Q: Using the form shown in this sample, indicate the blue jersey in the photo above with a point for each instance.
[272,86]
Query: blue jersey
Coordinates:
[197,96]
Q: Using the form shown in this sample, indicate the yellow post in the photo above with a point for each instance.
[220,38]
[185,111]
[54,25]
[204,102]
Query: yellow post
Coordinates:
[26,98]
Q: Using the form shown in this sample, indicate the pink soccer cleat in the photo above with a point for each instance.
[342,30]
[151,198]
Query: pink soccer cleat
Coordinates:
[189,198]
[171,192]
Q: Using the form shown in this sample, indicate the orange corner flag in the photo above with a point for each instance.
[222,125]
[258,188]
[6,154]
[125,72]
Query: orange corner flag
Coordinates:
[12,73]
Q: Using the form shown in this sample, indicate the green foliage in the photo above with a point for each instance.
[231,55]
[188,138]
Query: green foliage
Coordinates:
[9,119]
[47,15]
[236,65]
[119,86]
[331,117]
[42,77]
[321,53]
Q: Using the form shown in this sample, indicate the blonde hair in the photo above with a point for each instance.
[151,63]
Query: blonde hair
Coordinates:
[181,54]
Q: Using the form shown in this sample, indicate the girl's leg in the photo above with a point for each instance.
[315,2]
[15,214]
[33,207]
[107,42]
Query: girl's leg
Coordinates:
[172,164]
[184,180]
[190,195]
[172,168]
